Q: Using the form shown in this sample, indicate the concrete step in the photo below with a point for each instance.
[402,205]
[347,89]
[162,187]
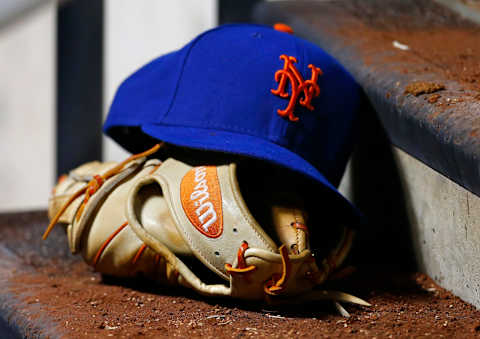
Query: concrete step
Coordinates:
[415,172]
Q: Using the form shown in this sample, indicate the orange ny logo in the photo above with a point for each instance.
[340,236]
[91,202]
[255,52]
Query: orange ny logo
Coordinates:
[309,88]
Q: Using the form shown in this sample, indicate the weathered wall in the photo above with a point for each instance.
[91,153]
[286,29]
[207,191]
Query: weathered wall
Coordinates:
[442,222]
[445,223]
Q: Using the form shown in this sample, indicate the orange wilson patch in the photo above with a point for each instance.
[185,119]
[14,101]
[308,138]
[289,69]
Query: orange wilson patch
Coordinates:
[202,200]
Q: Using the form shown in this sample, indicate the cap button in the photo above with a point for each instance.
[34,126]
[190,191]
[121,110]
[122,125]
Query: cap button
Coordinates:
[280,26]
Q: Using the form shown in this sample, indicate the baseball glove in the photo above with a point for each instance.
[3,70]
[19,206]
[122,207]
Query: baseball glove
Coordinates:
[168,221]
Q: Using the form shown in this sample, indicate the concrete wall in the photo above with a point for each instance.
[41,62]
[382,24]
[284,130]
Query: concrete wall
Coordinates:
[441,224]
[27,109]
[445,226]
[139,31]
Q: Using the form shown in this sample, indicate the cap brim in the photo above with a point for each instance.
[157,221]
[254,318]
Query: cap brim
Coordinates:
[223,141]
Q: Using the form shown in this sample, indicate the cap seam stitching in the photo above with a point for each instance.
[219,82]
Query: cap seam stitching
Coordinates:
[192,44]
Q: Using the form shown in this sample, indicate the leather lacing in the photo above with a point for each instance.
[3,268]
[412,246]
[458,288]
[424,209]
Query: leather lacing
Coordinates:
[272,286]
[276,284]
[135,258]
[89,190]
[107,241]
[241,264]
[94,185]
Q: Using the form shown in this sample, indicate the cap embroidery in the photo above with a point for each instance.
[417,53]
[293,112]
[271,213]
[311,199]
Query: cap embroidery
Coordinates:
[298,85]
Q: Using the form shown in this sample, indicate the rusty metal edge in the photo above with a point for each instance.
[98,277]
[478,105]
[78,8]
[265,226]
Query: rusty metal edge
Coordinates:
[445,143]
[16,319]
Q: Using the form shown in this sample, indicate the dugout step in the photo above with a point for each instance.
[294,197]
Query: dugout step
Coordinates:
[415,172]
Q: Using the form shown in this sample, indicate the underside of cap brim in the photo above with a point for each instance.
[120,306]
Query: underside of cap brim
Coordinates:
[247,145]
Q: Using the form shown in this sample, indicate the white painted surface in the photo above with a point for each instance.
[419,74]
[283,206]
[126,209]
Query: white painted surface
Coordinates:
[139,31]
[27,107]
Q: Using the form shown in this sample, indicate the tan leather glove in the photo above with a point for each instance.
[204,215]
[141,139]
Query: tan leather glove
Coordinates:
[162,219]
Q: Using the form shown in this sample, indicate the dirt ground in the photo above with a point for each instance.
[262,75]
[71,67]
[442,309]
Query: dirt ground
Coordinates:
[441,44]
[51,293]
[452,52]
[83,305]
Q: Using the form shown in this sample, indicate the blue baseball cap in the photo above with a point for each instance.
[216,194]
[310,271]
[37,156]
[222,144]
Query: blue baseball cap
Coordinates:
[250,90]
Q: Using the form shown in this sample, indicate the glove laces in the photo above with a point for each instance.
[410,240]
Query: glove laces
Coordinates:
[93,186]
[275,286]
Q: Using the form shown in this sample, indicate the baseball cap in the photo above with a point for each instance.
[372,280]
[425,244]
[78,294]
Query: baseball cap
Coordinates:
[249,90]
